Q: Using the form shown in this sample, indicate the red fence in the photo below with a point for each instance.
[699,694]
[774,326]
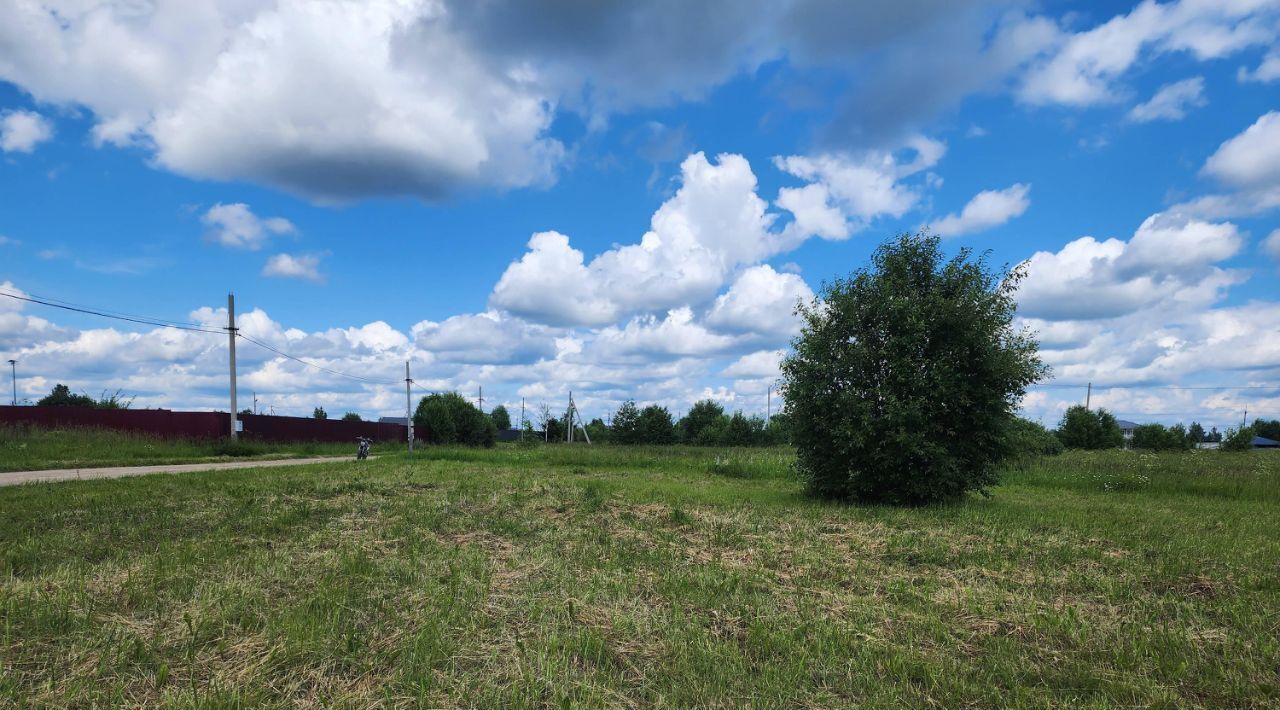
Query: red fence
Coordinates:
[201,425]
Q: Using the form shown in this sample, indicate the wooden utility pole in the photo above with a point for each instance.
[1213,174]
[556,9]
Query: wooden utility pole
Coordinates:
[231,341]
[1088,395]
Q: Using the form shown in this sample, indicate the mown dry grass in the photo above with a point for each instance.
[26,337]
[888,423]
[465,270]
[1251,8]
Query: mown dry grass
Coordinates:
[551,577]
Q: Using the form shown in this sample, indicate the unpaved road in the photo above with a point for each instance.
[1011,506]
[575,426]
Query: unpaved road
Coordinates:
[72,474]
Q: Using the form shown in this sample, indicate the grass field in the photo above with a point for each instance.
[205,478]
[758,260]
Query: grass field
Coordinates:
[33,448]
[643,577]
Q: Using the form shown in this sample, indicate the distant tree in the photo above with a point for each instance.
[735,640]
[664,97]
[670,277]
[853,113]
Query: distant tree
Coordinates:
[702,414]
[906,375]
[61,396]
[1156,437]
[1196,433]
[1238,439]
[319,413]
[778,430]
[655,425]
[1268,428]
[352,417]
[1083,428]
[450,418]
[501,418]
[246,412]
[598,431]
[1028,439]
[1215,436]
[554,429]
[741,431]
[545,418]
[626,424]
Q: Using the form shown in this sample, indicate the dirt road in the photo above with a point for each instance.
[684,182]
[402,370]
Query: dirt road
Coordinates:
[71,474]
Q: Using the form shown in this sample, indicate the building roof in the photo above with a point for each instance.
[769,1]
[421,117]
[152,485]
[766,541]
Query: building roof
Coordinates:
[1126,424]
[1265,442]
[402,421]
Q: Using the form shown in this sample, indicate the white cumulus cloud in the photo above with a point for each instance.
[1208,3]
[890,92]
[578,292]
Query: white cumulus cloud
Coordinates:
[1171,102]
[22,131]
[236,226]
[291,266]
[987,209]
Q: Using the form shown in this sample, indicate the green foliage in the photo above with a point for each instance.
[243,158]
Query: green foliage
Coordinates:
[352,417]
[319,413]
[1238,439]
[598,431]
[554,429]
[1027,439]
[906,375]
[1157,437]
[61,396]
[450,418]
[1268,428]
[501,418]
[625,428]
[655,426]
[703,414]
[1196,434]
[1083,428]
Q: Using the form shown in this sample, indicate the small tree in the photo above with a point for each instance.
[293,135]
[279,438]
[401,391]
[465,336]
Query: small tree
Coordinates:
[450,418]
[703,414]
[501,418]
[352,417]
[319,413]
[598,431]
[655,425]
[1155,437]
[1083,428]
[1268,428]
[61,396]
[1238,439]
[1196,434]
[626,424]
[906,376]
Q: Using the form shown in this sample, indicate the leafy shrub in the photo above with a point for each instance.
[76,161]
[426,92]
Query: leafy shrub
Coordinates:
[1027,439]
[449,418]
[1157,437]
[905,377]
[237,447]
[1238,439]
[1084,428]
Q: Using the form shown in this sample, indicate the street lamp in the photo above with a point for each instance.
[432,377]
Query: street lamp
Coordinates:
[13,366]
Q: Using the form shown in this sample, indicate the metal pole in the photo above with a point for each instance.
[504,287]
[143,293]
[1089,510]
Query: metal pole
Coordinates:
[522,419]
[768,407]
[231,341]
[13,365]
[408,406]
[1088,395]
[481,398]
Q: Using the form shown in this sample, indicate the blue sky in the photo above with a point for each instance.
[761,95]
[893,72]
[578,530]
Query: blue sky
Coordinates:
[369,179]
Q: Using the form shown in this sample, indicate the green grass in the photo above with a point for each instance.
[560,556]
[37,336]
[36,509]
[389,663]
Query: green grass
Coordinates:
[34,448]
[642,577]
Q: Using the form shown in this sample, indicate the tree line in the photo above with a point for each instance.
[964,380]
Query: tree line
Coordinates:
[1084,428]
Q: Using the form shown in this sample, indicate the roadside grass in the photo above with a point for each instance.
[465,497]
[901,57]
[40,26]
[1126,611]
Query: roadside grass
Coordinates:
[37,448]
[642,577]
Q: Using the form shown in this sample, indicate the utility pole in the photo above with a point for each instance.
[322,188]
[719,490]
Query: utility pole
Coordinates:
[480,397]
[768,407]
[568,420]
[1088,394]
[408,406]
[13,366]
[1244,421]
[255,401]
[522,419]
[231,341]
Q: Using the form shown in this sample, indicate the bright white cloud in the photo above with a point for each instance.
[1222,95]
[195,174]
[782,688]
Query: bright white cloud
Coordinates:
[22,131]
[1081,69]
[987,209]
[760,301]
[1271,245]
[1170,261]
[1171,102]
[760,364]
[491,338]
[236,226]
[1266,72]
[291,266]
[649,337]
[1252,158]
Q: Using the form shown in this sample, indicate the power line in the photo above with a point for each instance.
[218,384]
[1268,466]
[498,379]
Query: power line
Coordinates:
[159,323]
[178,325]
[1162,387]
[295,358]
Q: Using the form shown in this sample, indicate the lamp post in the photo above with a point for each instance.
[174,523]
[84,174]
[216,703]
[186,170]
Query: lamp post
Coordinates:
[13,367]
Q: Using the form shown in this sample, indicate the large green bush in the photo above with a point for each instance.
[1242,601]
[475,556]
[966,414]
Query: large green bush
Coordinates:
[906,375]
[1157,437]
[1084,428]
[449,418]
[1027,439]
[1238,439]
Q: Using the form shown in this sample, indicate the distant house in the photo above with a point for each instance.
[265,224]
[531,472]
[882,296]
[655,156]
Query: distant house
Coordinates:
[1262,442]
[1126,428]
[402,421]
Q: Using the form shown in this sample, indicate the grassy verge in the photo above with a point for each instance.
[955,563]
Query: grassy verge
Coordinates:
[35,448]
[622,577]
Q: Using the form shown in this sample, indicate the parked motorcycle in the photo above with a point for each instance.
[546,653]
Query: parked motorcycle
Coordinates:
[362,452]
